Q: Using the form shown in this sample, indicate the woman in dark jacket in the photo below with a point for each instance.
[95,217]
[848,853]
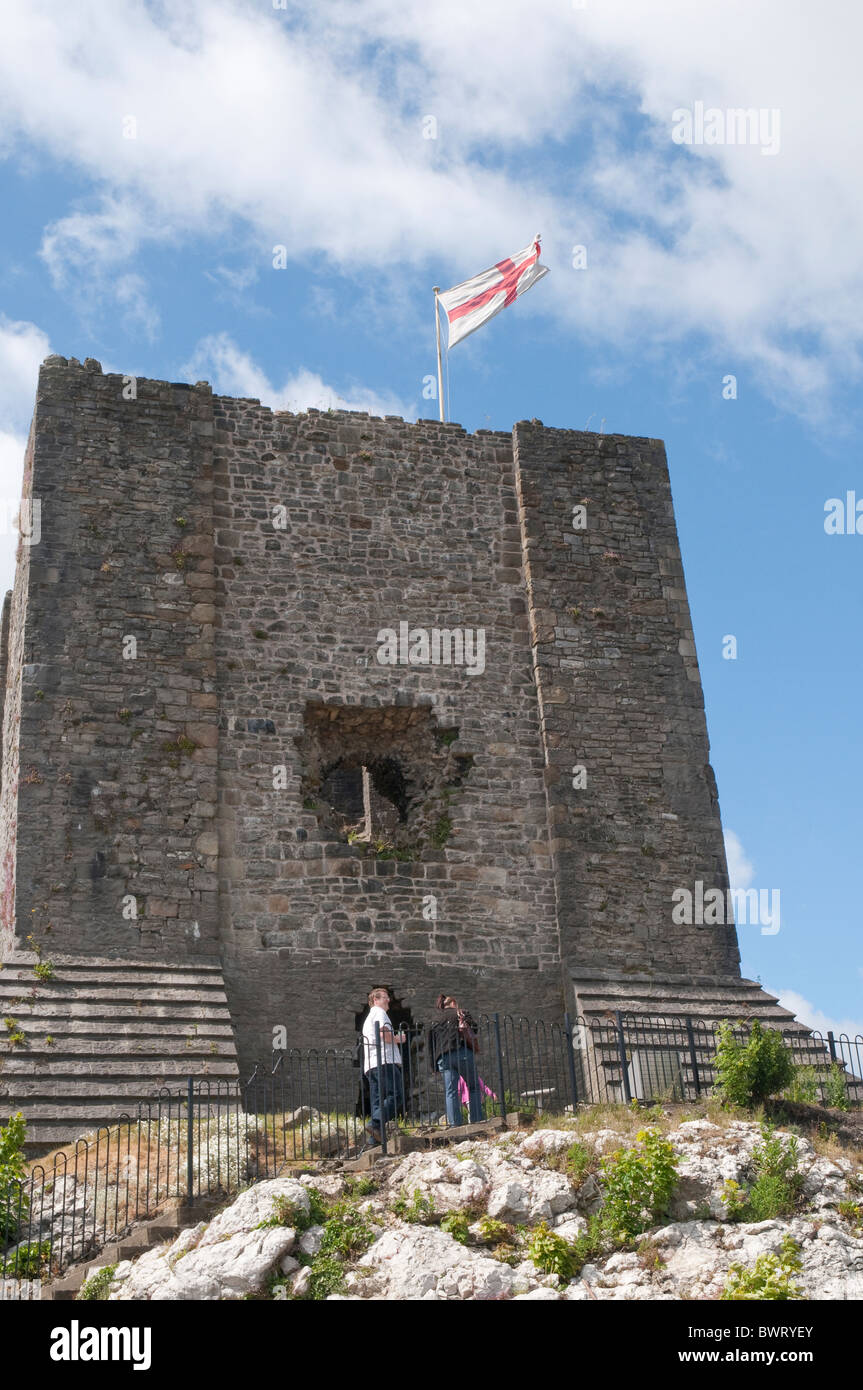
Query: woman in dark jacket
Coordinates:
[453,1054]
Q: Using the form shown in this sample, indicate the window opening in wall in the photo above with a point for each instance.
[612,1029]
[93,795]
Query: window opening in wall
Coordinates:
[369,802]
[385,777]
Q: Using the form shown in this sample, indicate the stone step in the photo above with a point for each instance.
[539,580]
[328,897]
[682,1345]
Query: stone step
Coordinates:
[141,1078]
[119,994]
[143,1236]
[66,1069]
[29,958]
[95,1030]
[121,1031]
[710,1001]
[101,1023]
[111,1053]
[84,975]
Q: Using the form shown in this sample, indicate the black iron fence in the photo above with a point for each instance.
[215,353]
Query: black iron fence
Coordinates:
[306,1106]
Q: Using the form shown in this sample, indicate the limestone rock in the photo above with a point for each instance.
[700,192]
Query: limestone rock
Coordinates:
[419,1262]
[253,1206]
[310,1241]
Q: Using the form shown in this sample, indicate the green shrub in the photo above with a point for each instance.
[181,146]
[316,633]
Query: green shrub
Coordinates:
[44,970]
[361,1186]
[649,1254]
[748,1072]
[579,1161]
[495,1232]
[30,1261]
[769,1197]
[416,1209]
[735,1199]
[776,1189]
[328,1276]
[804,1086]
[637,1185]
[455,1223]
[318,1209]
[836,1088]
[551,1253]
[591,1242]
[769,1278]
[852,1212]
[286,1213]
[347,1233]
[14,1202]
[96,1288]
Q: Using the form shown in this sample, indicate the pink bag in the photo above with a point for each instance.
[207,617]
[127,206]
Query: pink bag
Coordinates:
[464,1094]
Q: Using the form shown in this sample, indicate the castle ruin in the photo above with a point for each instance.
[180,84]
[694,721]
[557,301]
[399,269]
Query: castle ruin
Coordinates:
[295,704]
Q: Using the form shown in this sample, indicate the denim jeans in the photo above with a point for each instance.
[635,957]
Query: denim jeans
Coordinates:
[386,1079]
[452,1065]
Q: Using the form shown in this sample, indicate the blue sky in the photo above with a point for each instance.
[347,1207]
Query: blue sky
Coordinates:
[153,156]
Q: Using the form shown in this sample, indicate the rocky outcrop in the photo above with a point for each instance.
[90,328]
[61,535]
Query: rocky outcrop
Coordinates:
[494,1194]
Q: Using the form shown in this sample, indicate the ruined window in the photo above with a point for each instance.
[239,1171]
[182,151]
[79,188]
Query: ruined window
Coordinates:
[368,802]
[384,776]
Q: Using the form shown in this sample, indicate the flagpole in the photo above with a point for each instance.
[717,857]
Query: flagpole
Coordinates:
[436,289]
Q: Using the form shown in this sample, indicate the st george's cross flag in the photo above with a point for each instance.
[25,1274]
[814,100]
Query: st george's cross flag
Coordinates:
[472,303]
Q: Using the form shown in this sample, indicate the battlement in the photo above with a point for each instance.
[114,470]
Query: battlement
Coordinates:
[306,694]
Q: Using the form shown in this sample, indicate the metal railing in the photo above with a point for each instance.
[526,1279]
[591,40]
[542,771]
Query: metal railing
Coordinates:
[307,1106]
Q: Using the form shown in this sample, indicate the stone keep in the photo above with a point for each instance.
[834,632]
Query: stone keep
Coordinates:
[219,803]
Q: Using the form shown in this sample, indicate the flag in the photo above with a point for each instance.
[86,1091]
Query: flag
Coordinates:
[472,303]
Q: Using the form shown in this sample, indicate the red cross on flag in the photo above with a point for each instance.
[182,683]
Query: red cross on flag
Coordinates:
[472,303]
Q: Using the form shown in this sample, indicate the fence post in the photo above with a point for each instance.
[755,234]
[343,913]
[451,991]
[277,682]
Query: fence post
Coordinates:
[621,1047]
[831,1043]
[499,1050]
[190,1131]
[381,1097]
[570,1057]
[693,1056]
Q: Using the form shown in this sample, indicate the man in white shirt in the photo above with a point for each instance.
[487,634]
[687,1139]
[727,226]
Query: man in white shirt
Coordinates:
[385,1081]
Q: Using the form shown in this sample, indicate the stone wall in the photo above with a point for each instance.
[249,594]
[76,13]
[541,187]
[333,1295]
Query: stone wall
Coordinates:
[620,697]
[112,643]
[384,523]
[198,645]
[14,617]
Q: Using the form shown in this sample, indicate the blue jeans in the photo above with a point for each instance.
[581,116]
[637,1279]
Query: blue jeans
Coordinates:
[452,1065]
[386,1079]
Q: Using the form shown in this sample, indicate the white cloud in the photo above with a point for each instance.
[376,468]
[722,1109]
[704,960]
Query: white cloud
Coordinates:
[22,347]
[304,127]
[741,870]
[232,372]
[87,255]
[813,1017]
[12,448]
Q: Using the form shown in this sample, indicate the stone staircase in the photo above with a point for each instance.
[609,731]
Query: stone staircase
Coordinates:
[662,1053]
[102,1035]
[142,1236]
[710,1000]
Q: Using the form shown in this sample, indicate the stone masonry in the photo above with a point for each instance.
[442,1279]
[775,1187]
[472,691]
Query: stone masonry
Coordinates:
[206,759]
